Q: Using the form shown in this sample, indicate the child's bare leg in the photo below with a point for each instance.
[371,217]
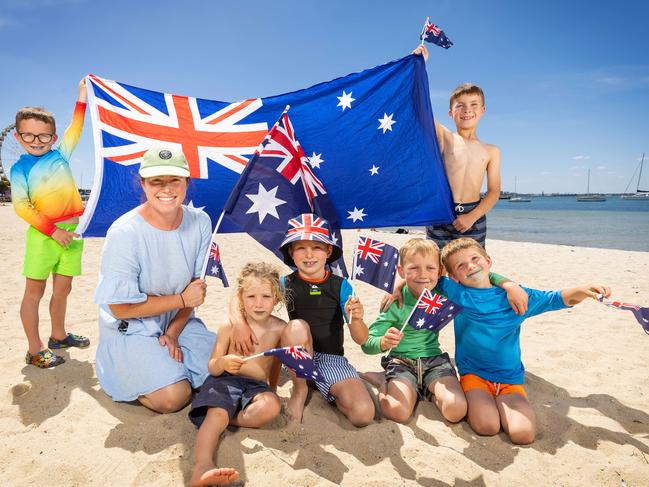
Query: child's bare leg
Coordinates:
[517,417]
[34,289]
[449,398]
[483,415]
[169,399]
[353,400]
[297,332]
[398,401]
[61,287]
[262,410]
[207,440]
[377,379]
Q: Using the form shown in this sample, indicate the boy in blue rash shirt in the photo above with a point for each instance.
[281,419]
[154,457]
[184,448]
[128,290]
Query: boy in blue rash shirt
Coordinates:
[487,340]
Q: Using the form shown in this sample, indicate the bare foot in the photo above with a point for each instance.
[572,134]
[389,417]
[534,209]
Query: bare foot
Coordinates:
[377,379]
[208,475]
[296,404]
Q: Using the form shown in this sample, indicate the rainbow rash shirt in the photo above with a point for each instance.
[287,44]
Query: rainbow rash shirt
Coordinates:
[43,190]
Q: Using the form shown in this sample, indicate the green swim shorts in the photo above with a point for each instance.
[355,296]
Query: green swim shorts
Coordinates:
[44,255]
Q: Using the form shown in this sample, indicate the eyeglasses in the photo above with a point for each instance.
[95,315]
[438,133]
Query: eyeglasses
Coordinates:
[42,138]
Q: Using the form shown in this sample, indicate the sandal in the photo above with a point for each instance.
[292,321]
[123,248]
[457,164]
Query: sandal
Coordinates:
[71,340]
[45,359]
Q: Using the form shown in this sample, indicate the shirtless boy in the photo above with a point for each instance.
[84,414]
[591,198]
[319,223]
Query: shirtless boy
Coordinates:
[466,159]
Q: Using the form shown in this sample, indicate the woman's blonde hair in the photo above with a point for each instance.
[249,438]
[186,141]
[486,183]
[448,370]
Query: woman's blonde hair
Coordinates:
[264,272]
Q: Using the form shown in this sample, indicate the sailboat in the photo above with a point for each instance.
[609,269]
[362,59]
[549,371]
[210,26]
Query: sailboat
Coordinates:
[517,199]
[640,194]
[590,197]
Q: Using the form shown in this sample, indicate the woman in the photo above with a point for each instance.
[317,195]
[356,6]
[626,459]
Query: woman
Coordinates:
[151,346]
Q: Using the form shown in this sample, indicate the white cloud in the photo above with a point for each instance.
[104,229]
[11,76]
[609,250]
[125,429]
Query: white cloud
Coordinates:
[577,167]
[601,168]
[580,157]
[546,173]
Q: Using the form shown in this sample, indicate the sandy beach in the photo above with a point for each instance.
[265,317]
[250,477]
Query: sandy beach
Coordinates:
[586,377]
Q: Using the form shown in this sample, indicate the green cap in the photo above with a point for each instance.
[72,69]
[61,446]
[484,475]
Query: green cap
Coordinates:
[164,161]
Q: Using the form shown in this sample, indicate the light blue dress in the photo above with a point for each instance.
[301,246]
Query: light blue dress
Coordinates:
[140,260]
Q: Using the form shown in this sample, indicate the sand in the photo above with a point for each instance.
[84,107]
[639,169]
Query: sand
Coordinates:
[586,377]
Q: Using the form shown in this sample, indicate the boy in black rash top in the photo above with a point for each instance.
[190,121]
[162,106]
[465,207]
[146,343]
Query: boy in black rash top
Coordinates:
[317,303]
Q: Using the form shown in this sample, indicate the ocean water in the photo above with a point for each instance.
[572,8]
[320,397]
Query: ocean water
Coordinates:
[612,224]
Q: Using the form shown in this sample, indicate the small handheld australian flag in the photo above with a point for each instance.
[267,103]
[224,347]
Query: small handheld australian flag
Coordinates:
[297,359]
[435,35]
[375,263]
[432,312]
[641,314]
[214,266]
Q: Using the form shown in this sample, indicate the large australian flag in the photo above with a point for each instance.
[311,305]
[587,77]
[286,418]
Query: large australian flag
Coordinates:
[368,136]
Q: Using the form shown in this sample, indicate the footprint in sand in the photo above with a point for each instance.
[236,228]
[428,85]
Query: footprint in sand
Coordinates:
[21,389]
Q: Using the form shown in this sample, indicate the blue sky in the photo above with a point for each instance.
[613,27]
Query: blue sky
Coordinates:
[567,83]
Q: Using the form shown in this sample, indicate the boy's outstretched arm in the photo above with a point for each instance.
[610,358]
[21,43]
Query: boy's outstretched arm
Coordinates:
[465,221]
[575,295]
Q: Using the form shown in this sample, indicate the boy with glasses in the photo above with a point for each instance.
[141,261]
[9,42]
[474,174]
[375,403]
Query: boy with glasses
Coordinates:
[45,195]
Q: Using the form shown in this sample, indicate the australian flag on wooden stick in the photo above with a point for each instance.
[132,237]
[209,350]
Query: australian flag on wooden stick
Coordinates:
[375,263]
[297,359]
[641,314]
[435,35]
[214,266]
[277,185]
[433,312]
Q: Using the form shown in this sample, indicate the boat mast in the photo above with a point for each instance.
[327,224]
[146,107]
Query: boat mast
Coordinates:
[637,189]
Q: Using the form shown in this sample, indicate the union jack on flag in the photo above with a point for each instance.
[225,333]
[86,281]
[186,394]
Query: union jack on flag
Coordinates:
[375,263]
[297,359]
[369,249]
[432,312]
[133,119]
[294,163]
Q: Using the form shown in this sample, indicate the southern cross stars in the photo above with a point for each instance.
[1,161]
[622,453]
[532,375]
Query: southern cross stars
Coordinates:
[345,101]
[315,160]
[374,170]
[356,214]
[386,122]
[264,203]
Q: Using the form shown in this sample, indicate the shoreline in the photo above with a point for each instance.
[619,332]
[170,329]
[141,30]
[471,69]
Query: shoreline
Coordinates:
[590,396]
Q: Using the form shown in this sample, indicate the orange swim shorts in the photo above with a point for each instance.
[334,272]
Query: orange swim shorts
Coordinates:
[472,381]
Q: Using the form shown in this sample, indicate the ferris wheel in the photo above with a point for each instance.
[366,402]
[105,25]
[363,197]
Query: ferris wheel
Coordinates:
[10,151]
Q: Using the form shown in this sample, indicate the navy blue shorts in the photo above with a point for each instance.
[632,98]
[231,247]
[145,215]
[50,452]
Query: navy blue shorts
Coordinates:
[230,392]
[443,234]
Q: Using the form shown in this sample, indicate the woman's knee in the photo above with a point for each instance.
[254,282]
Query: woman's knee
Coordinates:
[168,399]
